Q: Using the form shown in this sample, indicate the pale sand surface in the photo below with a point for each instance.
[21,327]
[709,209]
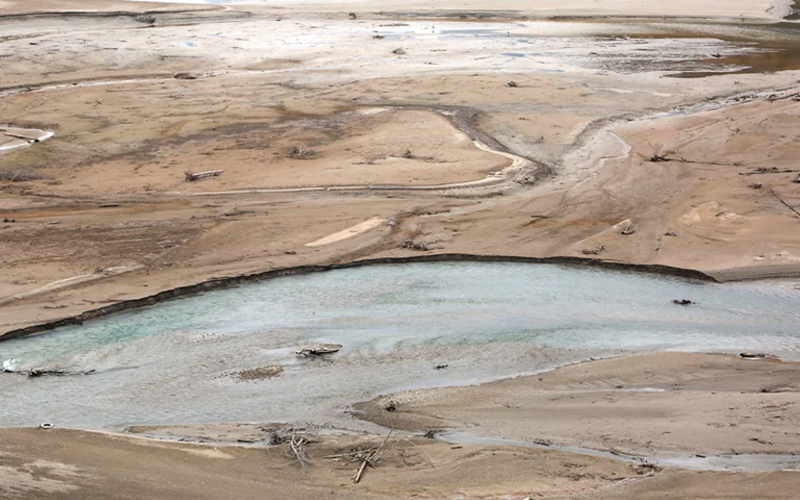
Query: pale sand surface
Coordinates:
[84,465]
[647,405]
[92,466]
[359,228]
[348,149]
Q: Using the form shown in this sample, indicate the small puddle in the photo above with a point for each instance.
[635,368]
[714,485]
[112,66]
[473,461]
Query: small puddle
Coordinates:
[761,61]
[767,48]
[473,32]
[680,49]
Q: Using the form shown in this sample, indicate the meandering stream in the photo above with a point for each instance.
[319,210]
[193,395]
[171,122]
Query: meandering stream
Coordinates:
[177,362]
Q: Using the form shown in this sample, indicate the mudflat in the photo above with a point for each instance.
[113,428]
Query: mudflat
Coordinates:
[150,146]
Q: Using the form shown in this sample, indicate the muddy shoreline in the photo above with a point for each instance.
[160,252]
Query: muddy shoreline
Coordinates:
[104,14]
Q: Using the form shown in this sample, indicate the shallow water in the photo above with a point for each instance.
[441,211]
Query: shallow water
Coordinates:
[176,362]
[745,462]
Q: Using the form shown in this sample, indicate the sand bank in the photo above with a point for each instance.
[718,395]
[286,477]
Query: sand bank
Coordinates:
[84,465]
[655,405]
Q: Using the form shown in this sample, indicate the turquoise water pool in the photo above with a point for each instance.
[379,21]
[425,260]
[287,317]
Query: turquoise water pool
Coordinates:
[484,320]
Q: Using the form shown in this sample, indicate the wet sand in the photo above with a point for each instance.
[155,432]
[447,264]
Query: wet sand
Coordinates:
[654,405]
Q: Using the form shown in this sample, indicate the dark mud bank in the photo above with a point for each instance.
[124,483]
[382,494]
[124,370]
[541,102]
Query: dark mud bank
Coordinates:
[221,283]
[83,14]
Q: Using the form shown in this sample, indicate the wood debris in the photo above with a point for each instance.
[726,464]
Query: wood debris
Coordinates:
[41,372]
[364,456]
[784,203]
[237,211]
[190,177]
[593,251]
[19,175]
[145,18]
[753,355]
[414,245]
[770,170]
[318,350]
[301,152]
[628,229]
[296,449]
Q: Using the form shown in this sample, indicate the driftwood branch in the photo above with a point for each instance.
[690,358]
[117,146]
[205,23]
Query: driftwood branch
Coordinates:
[371,459]
[301,152]
[360,472]
[764,170]
[297,449]
[22,137]
[785,203]
[628,229]
[593,251]
[190,177]
[376,455]
[364,456]
[318,350]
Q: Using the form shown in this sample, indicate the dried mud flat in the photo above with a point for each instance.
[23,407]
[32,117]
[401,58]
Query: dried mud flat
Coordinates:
[393,135]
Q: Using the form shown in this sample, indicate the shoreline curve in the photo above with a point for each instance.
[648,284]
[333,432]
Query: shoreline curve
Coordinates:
[233,281]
